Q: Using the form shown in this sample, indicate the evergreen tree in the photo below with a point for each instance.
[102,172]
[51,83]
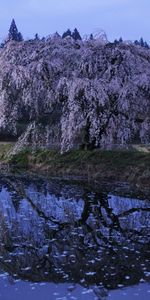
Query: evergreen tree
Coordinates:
[146,45]
[14,34]
[66,33]
[116,41]
[76,35]
[36,37]
[136,42]
[91,37]
[120,40]
[141,42]
[20,37]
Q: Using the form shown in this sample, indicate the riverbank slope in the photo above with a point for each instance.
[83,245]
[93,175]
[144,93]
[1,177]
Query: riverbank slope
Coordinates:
[116,165]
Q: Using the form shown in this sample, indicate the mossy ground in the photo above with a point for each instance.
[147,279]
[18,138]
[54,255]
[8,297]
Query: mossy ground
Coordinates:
[119,165]
[4,150]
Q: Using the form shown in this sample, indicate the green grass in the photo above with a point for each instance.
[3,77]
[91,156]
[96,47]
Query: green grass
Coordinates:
[127,165]
[4,149]
[113,158]
[21,159]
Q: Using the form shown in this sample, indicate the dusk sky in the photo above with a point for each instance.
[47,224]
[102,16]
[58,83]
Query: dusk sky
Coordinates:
[127,18]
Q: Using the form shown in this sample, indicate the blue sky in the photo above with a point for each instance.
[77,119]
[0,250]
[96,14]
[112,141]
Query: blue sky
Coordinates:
[127,18]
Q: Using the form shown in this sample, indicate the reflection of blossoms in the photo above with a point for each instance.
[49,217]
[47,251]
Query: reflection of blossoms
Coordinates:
[72,234]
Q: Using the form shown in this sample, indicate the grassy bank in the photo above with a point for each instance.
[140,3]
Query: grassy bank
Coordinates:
[4,149]
[131,166]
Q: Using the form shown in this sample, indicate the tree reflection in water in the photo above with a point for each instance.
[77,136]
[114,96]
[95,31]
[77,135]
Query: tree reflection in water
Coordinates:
[51,231]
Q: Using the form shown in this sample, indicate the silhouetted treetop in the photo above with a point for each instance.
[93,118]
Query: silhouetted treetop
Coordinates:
[67,33]
[76,35]
[14,34]
[36,37]
[141,43]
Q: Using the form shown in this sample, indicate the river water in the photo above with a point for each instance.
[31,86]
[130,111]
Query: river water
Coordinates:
[62,240]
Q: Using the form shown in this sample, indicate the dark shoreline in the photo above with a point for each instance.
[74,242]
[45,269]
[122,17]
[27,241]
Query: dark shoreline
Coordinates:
[131,167]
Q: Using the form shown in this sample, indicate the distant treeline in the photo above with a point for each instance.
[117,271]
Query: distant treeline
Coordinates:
[15,35]
[141,42]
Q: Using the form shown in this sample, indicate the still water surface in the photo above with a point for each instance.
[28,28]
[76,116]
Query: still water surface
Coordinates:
[63,241]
